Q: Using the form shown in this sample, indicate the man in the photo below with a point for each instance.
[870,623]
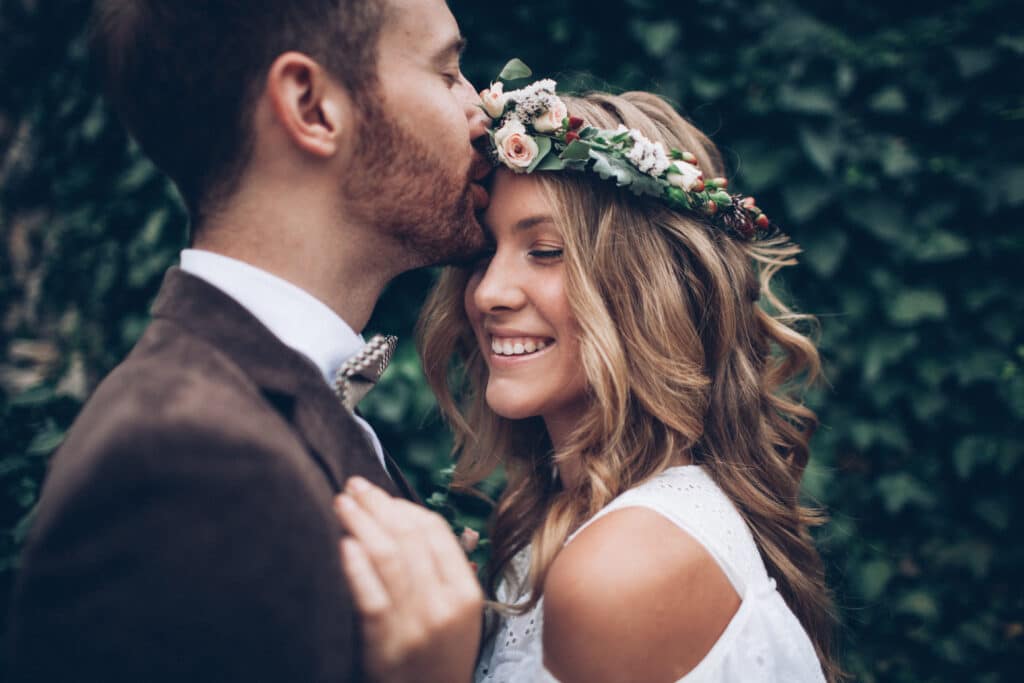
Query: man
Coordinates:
[185,531]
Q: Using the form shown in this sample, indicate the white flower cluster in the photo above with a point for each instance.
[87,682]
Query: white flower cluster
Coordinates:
[534,99]
[650,157]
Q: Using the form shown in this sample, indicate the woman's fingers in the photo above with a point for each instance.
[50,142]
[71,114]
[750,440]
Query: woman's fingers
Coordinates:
[369,594]
[430,552]
[378,543]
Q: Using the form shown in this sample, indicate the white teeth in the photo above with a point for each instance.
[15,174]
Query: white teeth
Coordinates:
[517,346]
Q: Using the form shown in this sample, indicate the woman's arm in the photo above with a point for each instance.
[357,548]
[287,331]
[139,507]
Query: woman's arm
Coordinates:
[419,600]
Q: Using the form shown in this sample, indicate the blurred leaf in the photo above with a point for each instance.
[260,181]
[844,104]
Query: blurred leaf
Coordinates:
[822,148]
[873,578]
[919,604]
[657,37]
[901,490]
[805,198]
[897,161]
[46,441]
[805,100]
[888,100]
[912,306]
[973,61]
[825,251]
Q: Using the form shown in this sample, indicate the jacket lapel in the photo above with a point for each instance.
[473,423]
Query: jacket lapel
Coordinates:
[288,380]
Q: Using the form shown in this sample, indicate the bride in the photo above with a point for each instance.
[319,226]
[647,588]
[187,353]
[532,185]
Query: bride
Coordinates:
[622,356]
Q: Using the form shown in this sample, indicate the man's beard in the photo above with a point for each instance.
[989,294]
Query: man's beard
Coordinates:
[404,189]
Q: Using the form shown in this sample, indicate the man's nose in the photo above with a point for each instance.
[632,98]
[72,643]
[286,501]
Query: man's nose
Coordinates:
[479,122]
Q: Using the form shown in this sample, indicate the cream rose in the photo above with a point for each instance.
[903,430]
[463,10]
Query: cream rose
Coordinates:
[517,151]
[511,126]
[685,176]
[494,100]
[552,119]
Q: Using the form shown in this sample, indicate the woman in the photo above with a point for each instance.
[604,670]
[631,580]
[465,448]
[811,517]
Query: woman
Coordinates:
[618,361]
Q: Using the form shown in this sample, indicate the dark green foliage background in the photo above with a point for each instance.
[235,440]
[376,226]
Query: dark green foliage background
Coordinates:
[887,137]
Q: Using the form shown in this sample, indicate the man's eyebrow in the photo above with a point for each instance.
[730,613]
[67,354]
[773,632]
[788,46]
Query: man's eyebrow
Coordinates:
[454,48]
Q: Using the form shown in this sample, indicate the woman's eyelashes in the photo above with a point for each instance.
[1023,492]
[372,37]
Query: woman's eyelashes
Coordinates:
[546,253]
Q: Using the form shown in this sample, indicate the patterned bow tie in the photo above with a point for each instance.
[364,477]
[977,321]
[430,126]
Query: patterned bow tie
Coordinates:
[360,373]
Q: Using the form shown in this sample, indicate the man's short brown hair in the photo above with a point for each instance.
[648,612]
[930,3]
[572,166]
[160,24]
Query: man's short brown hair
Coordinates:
[183,75]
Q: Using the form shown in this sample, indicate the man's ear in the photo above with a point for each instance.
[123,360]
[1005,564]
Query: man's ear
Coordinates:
[307,104]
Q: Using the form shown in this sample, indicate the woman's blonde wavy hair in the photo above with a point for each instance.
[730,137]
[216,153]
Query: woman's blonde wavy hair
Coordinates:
[680,358]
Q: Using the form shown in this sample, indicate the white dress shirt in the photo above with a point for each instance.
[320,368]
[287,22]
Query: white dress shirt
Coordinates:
[297,318]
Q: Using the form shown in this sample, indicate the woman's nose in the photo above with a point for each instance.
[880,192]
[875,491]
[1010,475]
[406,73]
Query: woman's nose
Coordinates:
[499,289]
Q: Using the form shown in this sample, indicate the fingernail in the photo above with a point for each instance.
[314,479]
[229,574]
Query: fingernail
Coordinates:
[358,484]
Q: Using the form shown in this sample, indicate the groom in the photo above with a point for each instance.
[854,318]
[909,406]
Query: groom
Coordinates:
[185,531]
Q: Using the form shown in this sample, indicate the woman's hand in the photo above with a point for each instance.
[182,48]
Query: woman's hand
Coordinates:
[420,602]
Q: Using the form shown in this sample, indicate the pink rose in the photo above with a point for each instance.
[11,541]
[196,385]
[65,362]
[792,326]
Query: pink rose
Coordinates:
[494,100]
[552,119]
[516,149]
[469,539]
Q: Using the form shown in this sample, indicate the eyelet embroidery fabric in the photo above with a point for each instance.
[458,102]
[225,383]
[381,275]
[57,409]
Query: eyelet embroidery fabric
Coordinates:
[763,643]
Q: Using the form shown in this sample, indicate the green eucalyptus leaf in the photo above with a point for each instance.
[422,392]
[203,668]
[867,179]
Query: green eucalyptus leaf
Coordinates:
[515,70]
[543,150]
[551,162]
[611,166]
[577,150]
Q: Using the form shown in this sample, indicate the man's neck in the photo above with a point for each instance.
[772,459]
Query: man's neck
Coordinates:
[337,274]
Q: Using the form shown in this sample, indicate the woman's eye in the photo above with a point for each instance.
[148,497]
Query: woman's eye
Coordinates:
[546,253]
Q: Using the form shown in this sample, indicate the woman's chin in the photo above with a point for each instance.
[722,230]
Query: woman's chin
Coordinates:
[509,407]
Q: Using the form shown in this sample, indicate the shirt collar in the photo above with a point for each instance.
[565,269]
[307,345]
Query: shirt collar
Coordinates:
[296,317]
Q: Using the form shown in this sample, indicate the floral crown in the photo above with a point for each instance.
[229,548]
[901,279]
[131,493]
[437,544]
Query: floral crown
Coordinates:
[533,131]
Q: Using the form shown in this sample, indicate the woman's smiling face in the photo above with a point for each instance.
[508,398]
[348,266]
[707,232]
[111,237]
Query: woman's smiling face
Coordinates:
[516,303]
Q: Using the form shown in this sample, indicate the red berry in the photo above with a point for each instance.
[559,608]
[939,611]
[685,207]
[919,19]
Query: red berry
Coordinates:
[698,186]
[572,136]
[748,203]
[575,122]
[721,182]
[762,221]
[711,208]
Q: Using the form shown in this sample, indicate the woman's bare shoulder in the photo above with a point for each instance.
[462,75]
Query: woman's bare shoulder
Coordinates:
[633,597]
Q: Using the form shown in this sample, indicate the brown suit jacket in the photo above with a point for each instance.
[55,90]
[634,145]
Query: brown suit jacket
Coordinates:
[185,530]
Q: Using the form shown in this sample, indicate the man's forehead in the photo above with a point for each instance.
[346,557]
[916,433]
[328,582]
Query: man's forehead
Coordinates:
[428,22]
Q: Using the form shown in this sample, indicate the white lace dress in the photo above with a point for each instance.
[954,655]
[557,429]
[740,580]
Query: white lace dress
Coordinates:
[763,643]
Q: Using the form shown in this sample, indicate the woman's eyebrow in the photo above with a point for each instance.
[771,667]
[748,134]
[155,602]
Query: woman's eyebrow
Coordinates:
[532,221]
